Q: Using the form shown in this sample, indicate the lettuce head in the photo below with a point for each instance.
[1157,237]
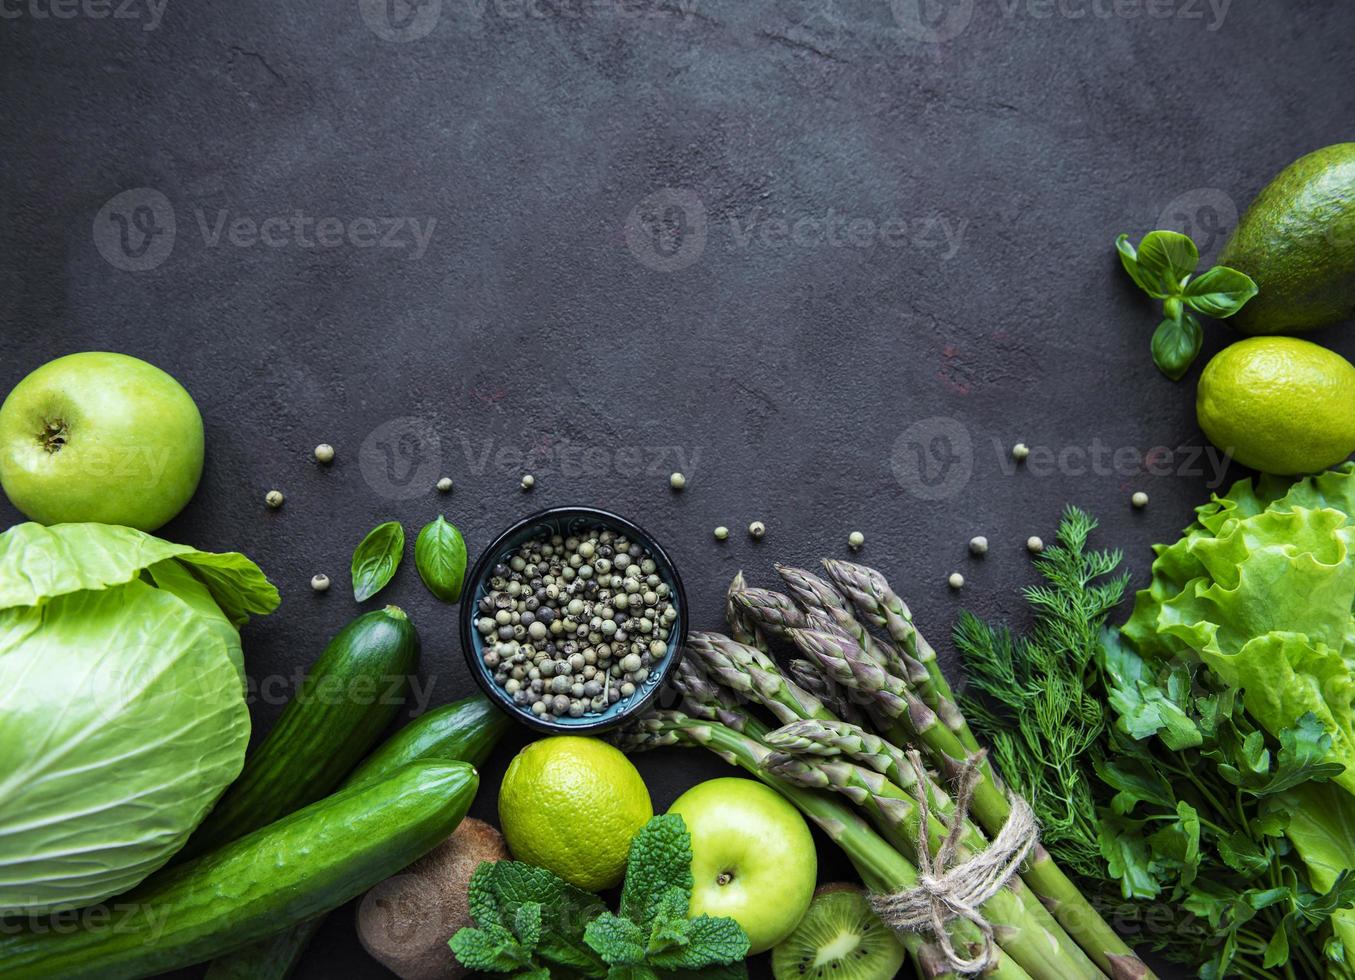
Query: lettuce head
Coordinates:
[122,707]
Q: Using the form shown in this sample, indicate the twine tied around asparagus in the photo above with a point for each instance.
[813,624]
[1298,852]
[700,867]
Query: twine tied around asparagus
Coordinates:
[946,891]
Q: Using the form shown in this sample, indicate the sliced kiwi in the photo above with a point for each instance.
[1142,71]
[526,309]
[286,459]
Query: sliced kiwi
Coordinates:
[839,938]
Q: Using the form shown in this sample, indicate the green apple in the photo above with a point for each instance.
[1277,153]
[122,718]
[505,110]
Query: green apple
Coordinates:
[100,437]
[753,857]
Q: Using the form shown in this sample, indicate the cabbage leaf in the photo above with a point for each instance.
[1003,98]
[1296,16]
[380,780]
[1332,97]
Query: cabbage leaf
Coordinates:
[122,710]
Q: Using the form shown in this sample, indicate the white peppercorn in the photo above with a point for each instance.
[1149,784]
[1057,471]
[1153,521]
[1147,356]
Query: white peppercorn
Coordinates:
[324,453]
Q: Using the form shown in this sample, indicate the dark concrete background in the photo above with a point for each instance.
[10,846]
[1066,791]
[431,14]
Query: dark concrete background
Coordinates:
[562,311]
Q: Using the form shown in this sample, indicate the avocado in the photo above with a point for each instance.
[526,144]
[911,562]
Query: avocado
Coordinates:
[1297,240]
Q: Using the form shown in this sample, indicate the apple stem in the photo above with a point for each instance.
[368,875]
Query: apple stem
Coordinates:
[54,436]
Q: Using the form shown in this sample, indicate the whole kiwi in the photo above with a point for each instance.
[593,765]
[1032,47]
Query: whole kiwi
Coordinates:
[406,920]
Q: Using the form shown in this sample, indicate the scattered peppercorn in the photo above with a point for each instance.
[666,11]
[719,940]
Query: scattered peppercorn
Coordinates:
[274,499]
[573,625]
[528,482]
[1139,499]
[978,545]
[1020,451]
[445,485]
[855,540]
[677,481]
[757,529]
[320,583]
[1034,545]
[956,580]
[324,453]
[721,533]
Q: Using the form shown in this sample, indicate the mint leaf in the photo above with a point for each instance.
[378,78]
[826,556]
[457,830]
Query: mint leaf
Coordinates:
[492,949]
[1220,292]
[659,870]
[618,940]
[708,941]
[483,903]
[1176,344]
[527,924]
[622,972]
[1166,258]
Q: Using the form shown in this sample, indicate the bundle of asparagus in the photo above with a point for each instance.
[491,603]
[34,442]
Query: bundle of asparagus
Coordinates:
[851,706]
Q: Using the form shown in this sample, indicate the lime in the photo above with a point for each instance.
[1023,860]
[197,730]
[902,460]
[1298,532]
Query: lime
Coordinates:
[571,805]
[1279,405]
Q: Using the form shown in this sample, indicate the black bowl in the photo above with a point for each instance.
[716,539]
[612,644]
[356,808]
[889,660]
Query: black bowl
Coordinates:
[567,521]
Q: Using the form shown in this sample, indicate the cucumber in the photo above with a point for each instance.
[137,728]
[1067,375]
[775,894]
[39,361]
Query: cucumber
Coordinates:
[465,730]
[349,697]
[301,866]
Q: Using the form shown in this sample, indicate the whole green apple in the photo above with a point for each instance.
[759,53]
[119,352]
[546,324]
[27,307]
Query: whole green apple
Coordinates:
[100,437]
[753,858]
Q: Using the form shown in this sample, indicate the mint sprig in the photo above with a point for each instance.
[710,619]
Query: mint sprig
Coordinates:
[1163,266]
[531,924]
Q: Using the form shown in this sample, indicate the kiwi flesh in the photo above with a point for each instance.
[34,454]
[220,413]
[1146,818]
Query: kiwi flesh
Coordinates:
[839,938]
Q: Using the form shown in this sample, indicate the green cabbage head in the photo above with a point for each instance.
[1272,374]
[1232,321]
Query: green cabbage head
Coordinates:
[122,707]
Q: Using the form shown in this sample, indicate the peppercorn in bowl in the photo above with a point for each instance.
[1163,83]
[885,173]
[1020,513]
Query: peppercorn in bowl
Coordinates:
[574,619]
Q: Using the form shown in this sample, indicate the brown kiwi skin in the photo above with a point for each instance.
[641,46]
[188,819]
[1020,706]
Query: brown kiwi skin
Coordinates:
[843,886]
[405,921]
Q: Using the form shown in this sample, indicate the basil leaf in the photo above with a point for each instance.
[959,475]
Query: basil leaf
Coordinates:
[1166,258]
[1176,344]
[440,557]
[1129,259]
[1220,292]
[376,559]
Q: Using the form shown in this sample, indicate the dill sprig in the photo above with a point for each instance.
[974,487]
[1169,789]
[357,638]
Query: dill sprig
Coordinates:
[1034,705]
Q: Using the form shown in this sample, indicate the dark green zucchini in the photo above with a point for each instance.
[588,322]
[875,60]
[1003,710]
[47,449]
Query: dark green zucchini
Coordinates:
[301,866]
[349,697]
[464,730]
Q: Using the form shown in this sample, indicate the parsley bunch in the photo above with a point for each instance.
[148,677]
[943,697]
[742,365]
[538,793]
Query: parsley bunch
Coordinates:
[1155,785]
[1201,808]
[535,926]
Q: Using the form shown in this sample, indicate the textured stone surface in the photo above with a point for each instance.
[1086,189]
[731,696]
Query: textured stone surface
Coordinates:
[788,367]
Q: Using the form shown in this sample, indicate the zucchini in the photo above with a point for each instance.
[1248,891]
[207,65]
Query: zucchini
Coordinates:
[465,730]
[303,865]
[350,696]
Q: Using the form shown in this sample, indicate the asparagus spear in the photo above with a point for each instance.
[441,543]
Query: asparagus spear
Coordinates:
[1025,931]
[750,672]
[870,595]
[850,666]
[889,775]
[741,627]
[703,697]
[834,698]
[772,612]
[817,596]
[882,868]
